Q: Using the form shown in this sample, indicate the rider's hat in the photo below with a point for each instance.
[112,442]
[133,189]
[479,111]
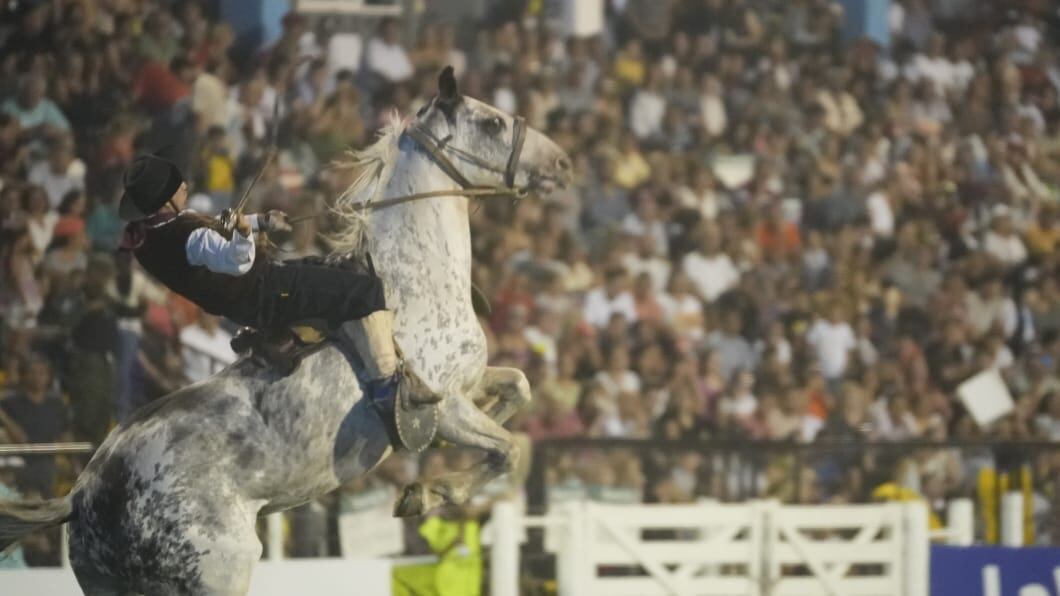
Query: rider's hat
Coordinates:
[149,182]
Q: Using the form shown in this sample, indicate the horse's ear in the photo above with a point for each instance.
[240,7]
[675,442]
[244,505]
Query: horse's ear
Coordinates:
[447,85]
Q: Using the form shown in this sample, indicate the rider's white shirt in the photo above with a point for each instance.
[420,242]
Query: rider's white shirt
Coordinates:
[208,248]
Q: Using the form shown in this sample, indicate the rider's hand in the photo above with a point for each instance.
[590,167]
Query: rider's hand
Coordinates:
[276,221]
[243,226]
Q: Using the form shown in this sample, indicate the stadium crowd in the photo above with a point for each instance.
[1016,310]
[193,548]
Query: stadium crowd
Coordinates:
[775,232]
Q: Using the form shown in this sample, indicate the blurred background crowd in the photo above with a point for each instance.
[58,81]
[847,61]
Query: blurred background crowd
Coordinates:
[776,231]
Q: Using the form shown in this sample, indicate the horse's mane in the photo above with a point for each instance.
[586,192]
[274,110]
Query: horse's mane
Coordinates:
[373,167]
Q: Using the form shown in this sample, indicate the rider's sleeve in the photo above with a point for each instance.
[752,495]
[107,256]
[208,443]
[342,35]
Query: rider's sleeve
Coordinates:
[210,249]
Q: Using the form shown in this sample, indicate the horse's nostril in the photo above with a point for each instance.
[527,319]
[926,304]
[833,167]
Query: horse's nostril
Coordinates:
[563,163]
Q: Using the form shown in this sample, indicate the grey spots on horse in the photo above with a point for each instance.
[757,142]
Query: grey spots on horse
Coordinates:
[132,528]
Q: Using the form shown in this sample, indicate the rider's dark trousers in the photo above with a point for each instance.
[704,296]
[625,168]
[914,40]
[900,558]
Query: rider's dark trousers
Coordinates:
[294,291]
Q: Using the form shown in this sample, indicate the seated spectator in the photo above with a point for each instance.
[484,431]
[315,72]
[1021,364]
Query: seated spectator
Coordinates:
[647,108]
[206,347]
[833,339]
[711,271]
[40,220]
[35,413]
[733,351]
[613,298]
[37,115]
[1001,242]
[21,294]
[617,377]
[69,250]
[386,55]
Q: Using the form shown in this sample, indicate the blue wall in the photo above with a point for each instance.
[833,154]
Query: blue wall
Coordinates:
[867,18]
[256,22]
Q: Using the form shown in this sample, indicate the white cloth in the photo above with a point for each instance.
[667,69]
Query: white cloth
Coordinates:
[625,381]
[389,60]
[599,307]
[1009,250]
[205,353]
[504,99]
[57,185]
[646,114]
[208,248]
[658,269]
[40,232]
[712,275]
[881,216]
[209,100]
[938,69]
[712,114]
[833,343]
[344,52]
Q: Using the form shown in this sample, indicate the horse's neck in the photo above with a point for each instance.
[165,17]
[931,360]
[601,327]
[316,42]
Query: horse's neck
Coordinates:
[421,249]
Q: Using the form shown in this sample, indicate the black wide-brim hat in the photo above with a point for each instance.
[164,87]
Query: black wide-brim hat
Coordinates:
[149,182]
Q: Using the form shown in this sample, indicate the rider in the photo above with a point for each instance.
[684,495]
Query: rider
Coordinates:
[226,274]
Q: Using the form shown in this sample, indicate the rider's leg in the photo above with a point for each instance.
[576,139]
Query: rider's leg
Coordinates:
[295,292]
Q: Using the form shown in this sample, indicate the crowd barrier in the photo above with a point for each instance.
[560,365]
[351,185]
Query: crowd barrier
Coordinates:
[758,548]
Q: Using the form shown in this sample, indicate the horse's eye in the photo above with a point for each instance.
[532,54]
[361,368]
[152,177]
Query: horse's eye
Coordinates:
[493,125]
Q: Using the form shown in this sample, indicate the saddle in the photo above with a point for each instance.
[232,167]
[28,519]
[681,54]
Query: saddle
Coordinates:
[410,426]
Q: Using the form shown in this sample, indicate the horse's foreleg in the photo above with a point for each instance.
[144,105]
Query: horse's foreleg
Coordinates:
[461,422]
[502,392]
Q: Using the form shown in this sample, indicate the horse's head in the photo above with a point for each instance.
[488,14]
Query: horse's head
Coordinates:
[479,145]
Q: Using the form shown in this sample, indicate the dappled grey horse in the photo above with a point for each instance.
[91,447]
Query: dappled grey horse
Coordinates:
[169,501]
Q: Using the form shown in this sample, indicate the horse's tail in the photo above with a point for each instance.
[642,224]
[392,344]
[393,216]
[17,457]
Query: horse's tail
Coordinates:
[19,518]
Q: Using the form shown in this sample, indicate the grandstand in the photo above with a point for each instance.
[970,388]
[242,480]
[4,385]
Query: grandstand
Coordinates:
[803,236]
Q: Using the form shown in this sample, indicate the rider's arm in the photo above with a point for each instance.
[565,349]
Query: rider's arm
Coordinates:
[208,248]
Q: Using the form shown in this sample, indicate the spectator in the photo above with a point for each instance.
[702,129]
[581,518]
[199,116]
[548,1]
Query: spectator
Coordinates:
[35,413]
[733,351]
[61,173]
[614,298]
[386,56]
[1001,242]
[37,115]
[833,339]
[206,347]
[647,109]
[712,271]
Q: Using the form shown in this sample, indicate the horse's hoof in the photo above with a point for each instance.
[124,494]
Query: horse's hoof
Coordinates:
[410,503]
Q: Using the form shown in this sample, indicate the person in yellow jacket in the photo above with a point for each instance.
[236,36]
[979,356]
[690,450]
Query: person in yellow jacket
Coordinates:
[454,537]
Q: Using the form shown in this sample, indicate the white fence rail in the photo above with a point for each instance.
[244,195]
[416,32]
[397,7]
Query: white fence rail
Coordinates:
[758,548]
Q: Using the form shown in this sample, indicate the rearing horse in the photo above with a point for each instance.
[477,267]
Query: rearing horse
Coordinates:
[169,501]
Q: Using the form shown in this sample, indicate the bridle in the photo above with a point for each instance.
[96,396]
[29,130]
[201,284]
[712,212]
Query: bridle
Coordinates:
[437,148]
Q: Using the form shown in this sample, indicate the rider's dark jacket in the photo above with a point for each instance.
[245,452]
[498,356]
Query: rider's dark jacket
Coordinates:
[268,294]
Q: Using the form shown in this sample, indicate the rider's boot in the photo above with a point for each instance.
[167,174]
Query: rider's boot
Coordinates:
[373,338]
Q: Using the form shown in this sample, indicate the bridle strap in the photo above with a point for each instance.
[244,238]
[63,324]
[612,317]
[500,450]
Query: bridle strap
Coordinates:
[437,148]
[518,137]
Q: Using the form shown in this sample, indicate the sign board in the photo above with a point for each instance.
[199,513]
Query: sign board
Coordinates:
[994,571]
[986,397]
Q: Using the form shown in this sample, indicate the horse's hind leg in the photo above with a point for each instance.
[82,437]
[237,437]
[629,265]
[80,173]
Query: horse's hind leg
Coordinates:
[502,392]
[462,423]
